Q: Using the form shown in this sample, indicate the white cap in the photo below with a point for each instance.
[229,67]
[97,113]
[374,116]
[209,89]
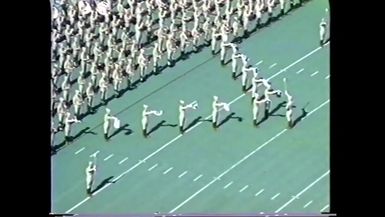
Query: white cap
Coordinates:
[145,106]
[215,97]
[108,110]
[181,101]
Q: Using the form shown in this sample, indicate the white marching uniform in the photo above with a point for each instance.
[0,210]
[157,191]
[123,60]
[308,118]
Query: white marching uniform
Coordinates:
[67,125]
[61,110]
[182,112]
[256,107]
[90,174]
[65,88]
[77,101]
[90,94]
[215,114]
[322,31]
[103,87]
[81,82]
[244,70]
[106,123]
[289,109]
[142,60]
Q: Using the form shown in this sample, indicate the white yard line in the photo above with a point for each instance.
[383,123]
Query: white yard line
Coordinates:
[123,160]
[109,156]
[303,191]
[80,150]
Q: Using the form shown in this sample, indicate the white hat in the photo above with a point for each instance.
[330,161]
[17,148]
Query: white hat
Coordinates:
[181,101]
[108,110]
[145,106]
[215,97]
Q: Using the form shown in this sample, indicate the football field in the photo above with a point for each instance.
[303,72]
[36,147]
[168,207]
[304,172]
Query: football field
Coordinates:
[237,168]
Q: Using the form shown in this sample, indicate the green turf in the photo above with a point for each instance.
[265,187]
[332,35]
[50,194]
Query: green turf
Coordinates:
[286,165]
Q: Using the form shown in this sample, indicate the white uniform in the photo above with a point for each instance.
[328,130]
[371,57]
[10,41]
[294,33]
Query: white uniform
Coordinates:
[106,124]
[67,126]
[103,86]
[117,78]
[61,110]
[155,56]
[289,109]
[142,60]
[182,113]
[183,41]
[244,71]
[322,31]
[77,101]
[256,107]
[214,38]
[90,174]
[170,50]
[81,82]
[234,59]
[65,89]
[90,95]
[145,120]
[94,73]
[215,114]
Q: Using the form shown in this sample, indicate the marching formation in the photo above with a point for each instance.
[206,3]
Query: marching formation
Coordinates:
[105,44]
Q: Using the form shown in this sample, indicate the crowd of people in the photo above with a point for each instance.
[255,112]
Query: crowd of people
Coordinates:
[102,45]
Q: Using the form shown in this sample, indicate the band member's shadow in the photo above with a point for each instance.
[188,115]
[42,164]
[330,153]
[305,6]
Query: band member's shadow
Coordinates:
[120,129]
[61,145]
[300,118]
[159,125]
[103,183]
[228,61]
[271,113]
[195,121]
[229,117]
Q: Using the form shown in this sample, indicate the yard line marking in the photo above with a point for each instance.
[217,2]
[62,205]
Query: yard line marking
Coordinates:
[316,72]
[184,173]
[123,160]
[198,177]
[327,77]
[239,162]
[94,154]
[153,166]
[275,196]
[259,62]
[259,192]
[228,184]
[177,137]
[274,64]
[325,207]
[244,188]
[168,170]
[305,189]
[299,71]
[308,203]
[109,156]
[80,150]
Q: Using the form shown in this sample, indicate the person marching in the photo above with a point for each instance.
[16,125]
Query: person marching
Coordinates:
[106,123]
[67,126]
[77,101]
[90,174]
[90,96]
[322,31]
[289,107]
[145,115]
[182,111]
[216,105]
[256,107]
